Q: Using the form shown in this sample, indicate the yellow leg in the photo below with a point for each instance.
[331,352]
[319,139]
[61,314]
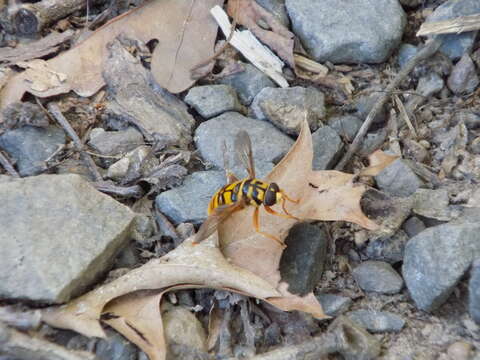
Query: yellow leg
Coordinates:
[286,215]
[256,225]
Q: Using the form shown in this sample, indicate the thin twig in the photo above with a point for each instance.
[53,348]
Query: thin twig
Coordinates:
[428,50]
[224,46]
[8,166]
[57,114]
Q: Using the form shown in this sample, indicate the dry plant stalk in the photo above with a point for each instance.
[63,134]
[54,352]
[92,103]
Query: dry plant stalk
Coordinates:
[453,26]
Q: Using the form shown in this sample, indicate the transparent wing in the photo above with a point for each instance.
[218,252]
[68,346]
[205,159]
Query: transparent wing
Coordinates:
[231,178]
[218,215]
[243,150]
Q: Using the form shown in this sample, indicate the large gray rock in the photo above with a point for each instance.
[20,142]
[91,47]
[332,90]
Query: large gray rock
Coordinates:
[189,202]
[213,100]
[377,321]
[455,45]
[377,276]
[287,108]
[302,262]
[268,143]
[398,179]
[248,83]
[354,31]
[58,234]
[30,146]
[327,147]
[436,259]
[115,142]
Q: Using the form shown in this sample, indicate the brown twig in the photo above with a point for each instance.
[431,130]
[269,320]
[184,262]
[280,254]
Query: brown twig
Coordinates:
[219,51]
[57,114]
[8,166]
[428,50]
[108,187]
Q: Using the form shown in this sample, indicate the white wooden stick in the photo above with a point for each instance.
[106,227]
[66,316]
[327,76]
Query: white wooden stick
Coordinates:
[258,54]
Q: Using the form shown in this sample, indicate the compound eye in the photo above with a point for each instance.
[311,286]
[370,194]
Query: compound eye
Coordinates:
[270,196]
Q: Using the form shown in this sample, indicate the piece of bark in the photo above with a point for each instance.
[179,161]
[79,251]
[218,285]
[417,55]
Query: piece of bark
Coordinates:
[30,18]
[134,99]
[453,26]
[34,50]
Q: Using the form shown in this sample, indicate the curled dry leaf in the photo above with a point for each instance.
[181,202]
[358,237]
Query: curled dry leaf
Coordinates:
[378,161]
[323,195]
[185,32]
[251,268]
[250,15]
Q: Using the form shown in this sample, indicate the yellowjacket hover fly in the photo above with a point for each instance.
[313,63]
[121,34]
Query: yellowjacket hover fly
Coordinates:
[238,194]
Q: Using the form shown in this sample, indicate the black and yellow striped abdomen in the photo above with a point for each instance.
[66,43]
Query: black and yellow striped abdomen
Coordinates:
[251,190]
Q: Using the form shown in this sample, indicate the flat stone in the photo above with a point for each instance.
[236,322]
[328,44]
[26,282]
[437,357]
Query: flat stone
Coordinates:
[213,100]
[327,147]
[436,259]
[346,126]
[389,249]
[464,78]
[302,262]
[474,292]
[268,143]
[471,119]
[248,83]
[398,179]
[184,333]
[378,276]
[355,31]
[373,141]
[118,170]
[433,204]
[189,201]
[31,146]
[413,226]
[377,321]
[287,108]
[455,45]
[405,53]
[115,142]
[58,235]
[334,305]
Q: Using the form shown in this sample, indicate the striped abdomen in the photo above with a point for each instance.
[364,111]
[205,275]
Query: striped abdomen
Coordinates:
[253,190]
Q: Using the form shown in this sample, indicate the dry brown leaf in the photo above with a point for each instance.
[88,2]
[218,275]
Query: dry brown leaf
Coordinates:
[250,14]
[137,317]
[323,195]
[378,161]
[251,268]
[185,32]
[185,267]
[41,78]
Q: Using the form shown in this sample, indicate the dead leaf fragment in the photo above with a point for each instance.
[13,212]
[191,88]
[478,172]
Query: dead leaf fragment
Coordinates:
[185,32]
[40,77]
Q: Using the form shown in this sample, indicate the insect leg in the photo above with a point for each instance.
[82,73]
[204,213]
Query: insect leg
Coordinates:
[257,228]
[288,198]
[286,215]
